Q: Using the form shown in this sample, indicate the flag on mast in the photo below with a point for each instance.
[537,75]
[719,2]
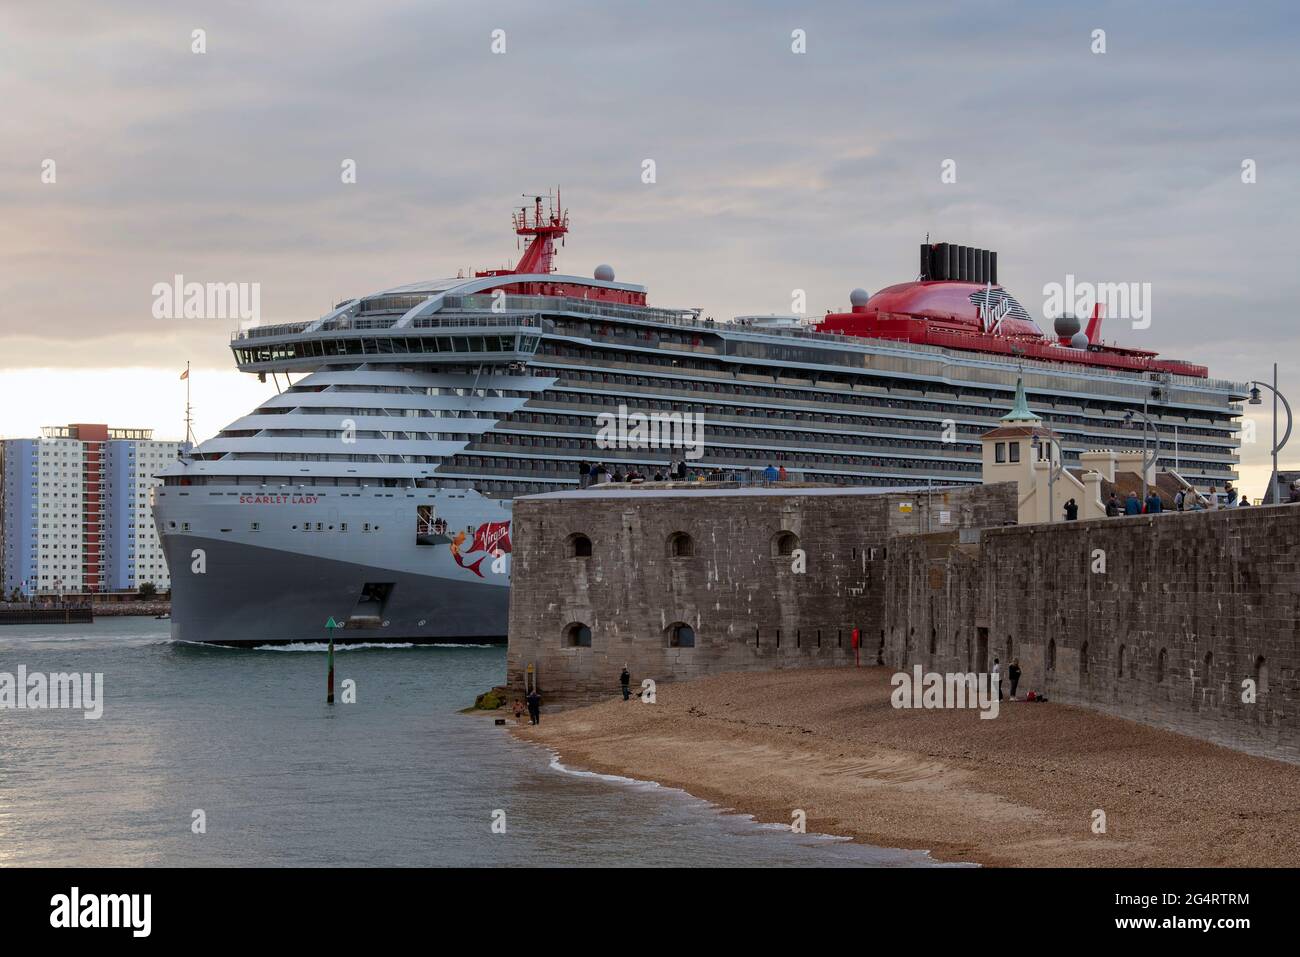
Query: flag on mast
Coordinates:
[186,373]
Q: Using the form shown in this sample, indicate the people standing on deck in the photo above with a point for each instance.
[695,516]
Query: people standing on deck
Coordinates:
[1131,504]
[1112,506]
[1179,500]
[770,473]
[1212,500]
[584,473]
[1154,505]
[625,681]
[535,706]
[1071,511]
[1013,672]
[1231,494]
[996,677]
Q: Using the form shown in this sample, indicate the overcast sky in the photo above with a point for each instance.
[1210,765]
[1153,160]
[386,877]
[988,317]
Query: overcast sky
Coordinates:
[775,170]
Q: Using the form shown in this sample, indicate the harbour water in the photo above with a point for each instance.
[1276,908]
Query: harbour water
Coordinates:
[398,778]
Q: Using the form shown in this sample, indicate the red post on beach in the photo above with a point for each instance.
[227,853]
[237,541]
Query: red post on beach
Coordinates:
[857,655]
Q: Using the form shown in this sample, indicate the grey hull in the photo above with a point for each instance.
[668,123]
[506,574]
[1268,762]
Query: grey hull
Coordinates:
[265,596]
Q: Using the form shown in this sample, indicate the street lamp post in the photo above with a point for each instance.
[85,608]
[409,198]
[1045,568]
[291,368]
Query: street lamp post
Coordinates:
[1277,446]
[1147,460]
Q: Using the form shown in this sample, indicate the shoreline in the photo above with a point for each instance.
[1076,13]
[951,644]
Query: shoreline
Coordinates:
[1020,790]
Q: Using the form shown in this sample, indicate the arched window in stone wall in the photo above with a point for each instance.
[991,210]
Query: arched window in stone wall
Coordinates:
[680,635]
[784,543]
[578,545]
[1162,660]
[680,545]
[1119,662]
[1261,676]
[577,635]
[1051,654]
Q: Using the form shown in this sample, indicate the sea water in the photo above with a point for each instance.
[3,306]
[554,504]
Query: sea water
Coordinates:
[230,757]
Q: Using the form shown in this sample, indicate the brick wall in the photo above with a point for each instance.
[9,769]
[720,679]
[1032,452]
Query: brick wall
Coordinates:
[747,605]
[1188,606]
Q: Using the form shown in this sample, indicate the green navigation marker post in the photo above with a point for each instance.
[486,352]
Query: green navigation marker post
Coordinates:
[329,687]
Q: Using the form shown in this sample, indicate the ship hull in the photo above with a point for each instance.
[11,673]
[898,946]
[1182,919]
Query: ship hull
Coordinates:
[264,596]
[280,586]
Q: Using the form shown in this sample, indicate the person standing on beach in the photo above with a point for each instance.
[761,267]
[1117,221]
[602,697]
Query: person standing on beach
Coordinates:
[996,678]
[1013,672]
[535,706]
[519,711]
[625,680]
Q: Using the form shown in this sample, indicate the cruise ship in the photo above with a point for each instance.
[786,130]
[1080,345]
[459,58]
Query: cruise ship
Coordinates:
[374,489]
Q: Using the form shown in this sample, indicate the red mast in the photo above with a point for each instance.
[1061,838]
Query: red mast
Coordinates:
[540,252]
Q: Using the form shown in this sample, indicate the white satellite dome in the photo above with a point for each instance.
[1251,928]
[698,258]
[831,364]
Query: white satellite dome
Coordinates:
[1079,341]
[859,297]
[605,272]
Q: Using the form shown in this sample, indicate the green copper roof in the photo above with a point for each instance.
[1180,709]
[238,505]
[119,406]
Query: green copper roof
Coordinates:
[1020,412]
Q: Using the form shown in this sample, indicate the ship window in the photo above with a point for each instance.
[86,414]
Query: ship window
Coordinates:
[1000,452]
[254,526]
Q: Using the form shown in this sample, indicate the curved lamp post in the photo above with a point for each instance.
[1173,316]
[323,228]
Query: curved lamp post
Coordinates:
[1277,446]
[1147,460]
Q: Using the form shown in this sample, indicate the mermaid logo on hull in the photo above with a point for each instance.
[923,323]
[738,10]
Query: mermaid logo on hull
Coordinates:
[493,538]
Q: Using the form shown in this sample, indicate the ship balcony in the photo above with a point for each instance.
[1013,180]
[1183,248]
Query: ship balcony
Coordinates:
[428,341]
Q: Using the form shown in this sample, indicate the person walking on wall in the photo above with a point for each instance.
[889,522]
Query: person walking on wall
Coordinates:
[1013,672]
[625,681]
[1131,504]
[535,706]
[1112,506]
[996,677]
[1154,504]
[1071,511]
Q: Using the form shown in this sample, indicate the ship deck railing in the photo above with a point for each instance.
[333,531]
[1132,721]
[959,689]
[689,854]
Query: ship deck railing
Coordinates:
[530,311]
